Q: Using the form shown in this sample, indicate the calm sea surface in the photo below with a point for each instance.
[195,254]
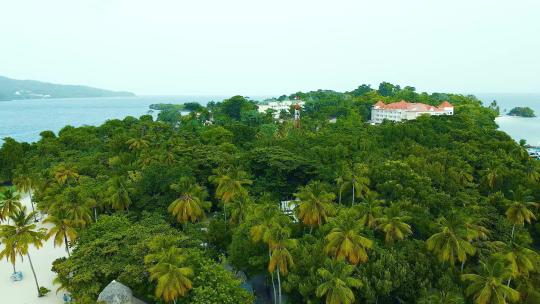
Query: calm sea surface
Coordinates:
[517,127]
[23,120]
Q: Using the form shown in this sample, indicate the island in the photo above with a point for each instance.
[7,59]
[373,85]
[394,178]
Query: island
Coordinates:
[522,112]
[14,89]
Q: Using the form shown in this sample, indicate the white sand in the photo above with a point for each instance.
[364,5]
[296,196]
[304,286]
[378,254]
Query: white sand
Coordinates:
[25,292]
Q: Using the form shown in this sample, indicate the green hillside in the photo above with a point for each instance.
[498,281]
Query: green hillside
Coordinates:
[13,89]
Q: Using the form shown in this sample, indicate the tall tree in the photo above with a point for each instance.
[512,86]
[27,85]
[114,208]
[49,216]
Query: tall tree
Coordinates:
[315,204]
[450,244]
[337,283]
[357,178]
[168,268]
[487,287]
[21,234]
[347,242]
[63,228]
[191,203]
[10,203]
[230,184]
[394,224]
[118,193]
[281,259]
[370,210]
[520,212]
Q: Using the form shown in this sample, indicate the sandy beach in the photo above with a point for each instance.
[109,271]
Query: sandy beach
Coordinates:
[24,292]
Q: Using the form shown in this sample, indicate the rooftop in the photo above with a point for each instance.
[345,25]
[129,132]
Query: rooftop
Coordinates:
[412,106]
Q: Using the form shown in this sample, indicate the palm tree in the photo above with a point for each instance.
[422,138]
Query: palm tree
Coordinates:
[21,235]
[393,224]
[64,175]
[370,210]
[357,179]
[487,287]
[280,259]
[10,203]
[118,193]
[337,283]
[26,183]
[169,270]
[315,204]
[230,184]
[63,228]
[340,181]
[521,261]
[492,177]
[518,213]
[347,242]
[442,297]
[238,209]
[190,205]
[451,243]
[138,143]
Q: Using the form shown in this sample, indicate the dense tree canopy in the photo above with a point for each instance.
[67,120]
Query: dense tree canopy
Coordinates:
[433,209]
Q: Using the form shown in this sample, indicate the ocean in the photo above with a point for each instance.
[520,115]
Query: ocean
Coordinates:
[23,120]
[517,127]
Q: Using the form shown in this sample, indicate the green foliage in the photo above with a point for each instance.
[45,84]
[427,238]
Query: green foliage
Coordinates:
[522,111]
[409,206]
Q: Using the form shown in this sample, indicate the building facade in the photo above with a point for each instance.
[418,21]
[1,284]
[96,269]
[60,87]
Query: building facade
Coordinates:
[402,110]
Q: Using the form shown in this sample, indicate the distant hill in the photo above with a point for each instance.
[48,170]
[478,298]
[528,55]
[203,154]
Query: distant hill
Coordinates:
[12,89]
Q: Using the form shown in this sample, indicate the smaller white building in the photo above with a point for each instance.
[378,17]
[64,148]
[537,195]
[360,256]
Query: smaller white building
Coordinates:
[278,106]
[402,110]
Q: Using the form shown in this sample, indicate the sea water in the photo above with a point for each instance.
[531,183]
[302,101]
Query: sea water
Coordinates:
[23,120]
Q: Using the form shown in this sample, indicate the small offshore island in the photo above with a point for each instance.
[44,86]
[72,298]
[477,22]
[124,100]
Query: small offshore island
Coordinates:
[374,195]
[522,112]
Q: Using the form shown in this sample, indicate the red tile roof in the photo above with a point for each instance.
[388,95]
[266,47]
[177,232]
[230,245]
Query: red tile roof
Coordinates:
[412,106]
[446,104]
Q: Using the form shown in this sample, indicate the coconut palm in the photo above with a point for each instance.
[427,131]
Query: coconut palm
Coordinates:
[26,183]
[190,205]
[315,204]
[63,228]
[451,243]
[20,235]
[280,259]
[63,175]
[442,297]
[487,287]
[343,173]
[10,203]
[168,268]
[230,184]
[118,193]
[520,261]
[239,208]
[520,212]
[357,179]
[347,242]
[267,219]
[138,144]
[394,224]
[370,210]
[337,283]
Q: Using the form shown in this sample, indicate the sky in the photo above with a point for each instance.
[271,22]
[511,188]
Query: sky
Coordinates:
[256,47]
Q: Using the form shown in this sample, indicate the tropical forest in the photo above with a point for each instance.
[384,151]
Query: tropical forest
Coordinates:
[225,204]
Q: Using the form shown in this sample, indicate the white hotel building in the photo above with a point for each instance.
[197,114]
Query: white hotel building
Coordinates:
[399,111]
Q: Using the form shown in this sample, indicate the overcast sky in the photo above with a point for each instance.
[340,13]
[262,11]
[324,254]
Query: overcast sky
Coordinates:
[255,47]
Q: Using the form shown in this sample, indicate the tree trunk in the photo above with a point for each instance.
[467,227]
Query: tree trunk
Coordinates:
[225,213]
[340,195]
[174,301]
[279,284]
[32,204]
[508,282]
[95,214]
[14,270]
[33,271]
[66,242]
[462,265]
[272,275]
[513,228]
[353,193]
